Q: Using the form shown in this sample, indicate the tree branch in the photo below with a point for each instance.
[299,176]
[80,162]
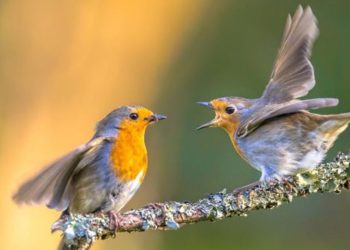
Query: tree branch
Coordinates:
[81,230]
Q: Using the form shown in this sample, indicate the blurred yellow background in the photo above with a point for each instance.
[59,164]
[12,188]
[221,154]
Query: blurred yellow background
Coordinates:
[65,64]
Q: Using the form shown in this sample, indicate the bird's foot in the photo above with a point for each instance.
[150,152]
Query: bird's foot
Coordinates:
[266,183]
[247,187]
[114,218]
[155,206]
[287,182]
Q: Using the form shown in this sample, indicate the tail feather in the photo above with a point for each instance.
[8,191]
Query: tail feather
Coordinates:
[63,246]
[333,125]
[343,116]
[339,119]
[330,127]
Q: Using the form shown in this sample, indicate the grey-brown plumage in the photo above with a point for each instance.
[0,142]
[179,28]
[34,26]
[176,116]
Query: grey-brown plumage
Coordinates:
[292,76]
[52,186]
[292,143]
[274,133]
[58,185]
[92,178]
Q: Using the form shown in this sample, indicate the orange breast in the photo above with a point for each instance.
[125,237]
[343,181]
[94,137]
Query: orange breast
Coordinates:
[129,155]
[231,128]
[236,147]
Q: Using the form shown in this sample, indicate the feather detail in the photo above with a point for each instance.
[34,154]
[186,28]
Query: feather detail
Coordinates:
[293,73]
[52,187]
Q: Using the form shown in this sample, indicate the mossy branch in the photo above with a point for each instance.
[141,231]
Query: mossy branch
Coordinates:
[81,230]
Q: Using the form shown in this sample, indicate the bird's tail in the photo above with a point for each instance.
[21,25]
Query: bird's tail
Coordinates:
[343,118]
[333,126]
[63,246]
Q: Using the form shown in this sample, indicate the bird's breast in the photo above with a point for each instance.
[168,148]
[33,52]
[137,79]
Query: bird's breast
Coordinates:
[231,128]
[237,147]
[129,156]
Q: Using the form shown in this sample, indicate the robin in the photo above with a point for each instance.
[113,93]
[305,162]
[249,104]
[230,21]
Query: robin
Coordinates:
[101,175]
[275,133]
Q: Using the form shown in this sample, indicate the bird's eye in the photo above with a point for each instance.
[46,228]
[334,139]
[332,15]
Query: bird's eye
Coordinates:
[230,110]
[133,116]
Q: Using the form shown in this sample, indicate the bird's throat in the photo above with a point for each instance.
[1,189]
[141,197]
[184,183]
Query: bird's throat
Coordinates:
[129,155]
[231,130]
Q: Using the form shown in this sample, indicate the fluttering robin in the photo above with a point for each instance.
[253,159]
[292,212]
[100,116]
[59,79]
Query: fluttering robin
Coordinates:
[101,175]
[274,133]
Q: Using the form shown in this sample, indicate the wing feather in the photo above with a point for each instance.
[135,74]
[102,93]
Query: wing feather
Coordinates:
[293,73]
[292,76]
[52,186]
[266,112]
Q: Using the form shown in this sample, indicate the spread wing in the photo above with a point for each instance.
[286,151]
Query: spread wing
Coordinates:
[292,76]
[52,186]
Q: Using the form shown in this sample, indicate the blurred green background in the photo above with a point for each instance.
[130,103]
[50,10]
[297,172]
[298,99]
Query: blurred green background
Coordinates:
[65,65]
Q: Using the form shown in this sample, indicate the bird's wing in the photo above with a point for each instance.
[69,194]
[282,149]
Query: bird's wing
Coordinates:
[254,119]
[292,76]
[52,186]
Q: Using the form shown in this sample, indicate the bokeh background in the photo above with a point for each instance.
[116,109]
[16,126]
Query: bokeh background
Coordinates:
[65,64]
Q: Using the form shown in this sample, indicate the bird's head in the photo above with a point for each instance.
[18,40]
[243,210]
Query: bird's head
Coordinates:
[228,112]
[128,118]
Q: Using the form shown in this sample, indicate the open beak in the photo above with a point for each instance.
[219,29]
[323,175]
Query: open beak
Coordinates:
[156,118]
[212,123]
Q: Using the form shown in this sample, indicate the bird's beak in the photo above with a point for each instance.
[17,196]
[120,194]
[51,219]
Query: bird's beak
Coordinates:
[212,123]
[206,104]
[156,118]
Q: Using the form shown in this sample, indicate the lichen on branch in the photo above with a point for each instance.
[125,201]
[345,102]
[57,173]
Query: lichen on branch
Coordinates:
[80,231]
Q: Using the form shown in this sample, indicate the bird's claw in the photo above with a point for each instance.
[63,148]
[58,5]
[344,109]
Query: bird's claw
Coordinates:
[247,187]
[114,218]
[155,206]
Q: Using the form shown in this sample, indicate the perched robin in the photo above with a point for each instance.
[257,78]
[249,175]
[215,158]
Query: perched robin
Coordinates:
[101,175]
[274,133]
